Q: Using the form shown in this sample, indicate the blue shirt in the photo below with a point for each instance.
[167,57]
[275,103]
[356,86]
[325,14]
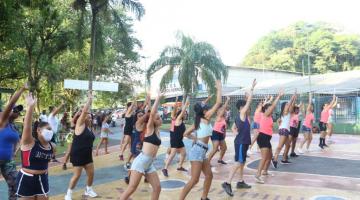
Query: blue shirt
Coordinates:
[8,138]
[243,127]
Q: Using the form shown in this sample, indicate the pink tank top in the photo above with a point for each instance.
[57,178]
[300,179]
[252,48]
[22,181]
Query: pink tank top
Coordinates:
[257,117]
[308,120]
[294,120]
[324,116]
[220,126]
[266,125]
[172,125]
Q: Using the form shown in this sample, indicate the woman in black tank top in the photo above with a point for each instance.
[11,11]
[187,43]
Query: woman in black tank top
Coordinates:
[179,147]
[81,151]
[129,125]
[69,138]
[143,163]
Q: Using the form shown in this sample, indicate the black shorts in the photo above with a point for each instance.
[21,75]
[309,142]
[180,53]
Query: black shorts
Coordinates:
[322,126]
[263,141]
[217,136]
[241,152]
[176,141]
[294,132]
[29,185]
[82,158]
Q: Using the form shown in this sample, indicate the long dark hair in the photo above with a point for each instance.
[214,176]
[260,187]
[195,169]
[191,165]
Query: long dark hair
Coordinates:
[283,104]
[199,113]
[265,107]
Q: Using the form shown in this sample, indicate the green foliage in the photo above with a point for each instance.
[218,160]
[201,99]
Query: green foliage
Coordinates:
[192,60]
[288,48]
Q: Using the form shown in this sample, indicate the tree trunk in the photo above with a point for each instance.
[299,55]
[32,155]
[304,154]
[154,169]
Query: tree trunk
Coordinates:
[92,48]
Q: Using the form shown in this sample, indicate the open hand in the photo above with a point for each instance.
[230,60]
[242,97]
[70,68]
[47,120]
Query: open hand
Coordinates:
[30,100]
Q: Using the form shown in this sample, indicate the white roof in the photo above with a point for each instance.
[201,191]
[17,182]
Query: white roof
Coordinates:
[330,83]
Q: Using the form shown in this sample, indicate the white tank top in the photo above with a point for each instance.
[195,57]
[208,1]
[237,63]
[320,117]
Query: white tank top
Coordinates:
[285,122]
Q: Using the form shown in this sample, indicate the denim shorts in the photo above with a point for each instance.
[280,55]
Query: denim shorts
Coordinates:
[305,129]
[284,132]
[143,164]
[198,151]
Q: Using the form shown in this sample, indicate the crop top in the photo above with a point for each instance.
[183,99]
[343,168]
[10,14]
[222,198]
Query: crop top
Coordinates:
[153,139]
[37,158]
[220,126]
[204,130]
[285,122]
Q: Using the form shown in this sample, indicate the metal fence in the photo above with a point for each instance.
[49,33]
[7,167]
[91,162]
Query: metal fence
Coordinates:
[347,110]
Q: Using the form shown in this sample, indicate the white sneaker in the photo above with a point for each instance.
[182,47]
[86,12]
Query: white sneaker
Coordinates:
[300,151]
[259,180]
[90,192]
[68,197]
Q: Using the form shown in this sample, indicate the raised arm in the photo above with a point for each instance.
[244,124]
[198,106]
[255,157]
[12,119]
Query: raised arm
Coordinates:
[273,105]
[147,103]
[4,118]
[207,99]
[84,112]
[183,110]
[130,108]
[249,99]
[27,137]
[334,102]
[154,110]
[218,100]
[57,110]
[222,109]
[174,111]
[291,104]
[308,108]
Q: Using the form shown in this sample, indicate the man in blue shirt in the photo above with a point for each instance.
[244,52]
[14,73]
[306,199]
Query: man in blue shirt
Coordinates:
[241,128]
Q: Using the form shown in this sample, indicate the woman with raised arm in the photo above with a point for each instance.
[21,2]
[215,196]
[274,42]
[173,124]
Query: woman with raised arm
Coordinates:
[307,126]
[287,109]
[69,138]
[81,151]
[330,123]
[324,117]
[197,155]
[104,133]
[9,138]
[143,163]
[177,145]
[32,180]
[173,118]
[129,125]
[219,133]
[265,134]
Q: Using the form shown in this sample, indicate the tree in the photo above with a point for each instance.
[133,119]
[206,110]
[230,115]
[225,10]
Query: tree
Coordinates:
[102,11]
[192,60]
[288,49]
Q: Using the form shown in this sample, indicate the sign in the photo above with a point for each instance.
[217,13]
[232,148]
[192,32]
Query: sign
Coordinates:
[84,85]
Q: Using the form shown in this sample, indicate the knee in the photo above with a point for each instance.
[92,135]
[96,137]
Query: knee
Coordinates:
[157,188]
[209,176]
[194,181]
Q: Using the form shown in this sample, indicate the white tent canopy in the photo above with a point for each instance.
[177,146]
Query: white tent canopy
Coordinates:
[330,83]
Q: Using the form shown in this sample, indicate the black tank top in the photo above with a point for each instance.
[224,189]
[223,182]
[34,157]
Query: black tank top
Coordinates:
[153,139]
[37,158]
[83,142]
[129,125]
[179,131]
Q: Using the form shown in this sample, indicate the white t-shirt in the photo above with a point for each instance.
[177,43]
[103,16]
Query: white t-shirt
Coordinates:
[43,118]
[53,122]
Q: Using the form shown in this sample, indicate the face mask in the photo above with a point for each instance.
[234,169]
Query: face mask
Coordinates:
[47,134]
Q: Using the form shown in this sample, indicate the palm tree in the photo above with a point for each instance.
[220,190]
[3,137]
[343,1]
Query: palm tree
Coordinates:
[103,9]
[192,60]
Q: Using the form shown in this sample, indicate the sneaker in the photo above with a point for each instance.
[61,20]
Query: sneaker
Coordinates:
[127,166]
[242,185]
[274,163]
[165,172]
[227,188]
[294,155]
[121,157]
[182,169]
[267,174]
[90,192]
[285,162]
[64,167]
[204,199]
[259,180]
[68,197]
[321,146]
[127,180]
[325,145]
[222,162]
[300,151]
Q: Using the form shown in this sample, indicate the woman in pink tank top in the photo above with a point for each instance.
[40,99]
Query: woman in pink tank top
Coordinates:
[219,132]
[264,137]
[324,120]
[256,125]
[307,126]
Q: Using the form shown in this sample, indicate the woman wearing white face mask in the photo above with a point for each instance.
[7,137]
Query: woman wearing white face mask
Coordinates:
[36,152]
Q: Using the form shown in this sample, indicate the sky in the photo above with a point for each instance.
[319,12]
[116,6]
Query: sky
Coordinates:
[233,26]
